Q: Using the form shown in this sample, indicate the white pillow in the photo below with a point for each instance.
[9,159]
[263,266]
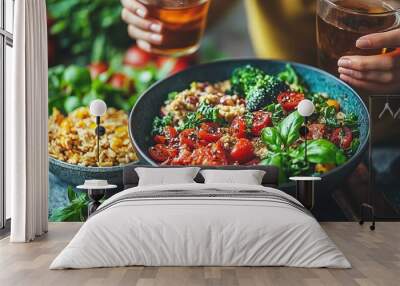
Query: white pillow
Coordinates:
[248,177]
[166,176]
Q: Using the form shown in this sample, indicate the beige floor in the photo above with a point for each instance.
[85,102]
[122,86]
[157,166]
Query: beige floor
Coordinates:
[375,257]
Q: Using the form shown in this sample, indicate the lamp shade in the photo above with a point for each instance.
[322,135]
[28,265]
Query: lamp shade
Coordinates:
[98,107]
[306,108]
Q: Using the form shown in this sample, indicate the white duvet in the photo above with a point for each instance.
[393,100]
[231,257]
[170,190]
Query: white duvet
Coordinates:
[200,231]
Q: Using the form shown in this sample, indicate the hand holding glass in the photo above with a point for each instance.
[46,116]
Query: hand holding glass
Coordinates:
[166,27]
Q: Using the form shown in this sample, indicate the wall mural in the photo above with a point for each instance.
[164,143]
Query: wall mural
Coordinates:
[92,57]
[246,114]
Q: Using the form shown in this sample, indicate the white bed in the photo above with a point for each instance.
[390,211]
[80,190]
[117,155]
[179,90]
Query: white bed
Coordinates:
[225,225]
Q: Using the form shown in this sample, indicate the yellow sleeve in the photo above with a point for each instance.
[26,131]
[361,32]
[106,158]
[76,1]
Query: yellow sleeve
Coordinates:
[283,29]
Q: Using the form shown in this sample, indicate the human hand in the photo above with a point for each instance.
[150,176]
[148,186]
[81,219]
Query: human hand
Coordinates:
[377,73]
[146,30]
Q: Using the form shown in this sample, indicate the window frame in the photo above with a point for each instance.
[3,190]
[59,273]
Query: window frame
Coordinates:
[6,39]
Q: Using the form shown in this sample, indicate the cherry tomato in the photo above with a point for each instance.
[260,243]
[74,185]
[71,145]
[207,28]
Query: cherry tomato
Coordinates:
[137,58]
[239,127]
[184,157]
[188,137]
[178,64]
[261,119]
[97,68]
[289,100]
[120,81]
[170,132]
[243,151]
[210,155]
[342,137]
[209,132]
[161,153]
[316,131]
[160,139]
[202,143]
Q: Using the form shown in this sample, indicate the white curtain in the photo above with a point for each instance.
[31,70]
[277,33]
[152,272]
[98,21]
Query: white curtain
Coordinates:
[26,124]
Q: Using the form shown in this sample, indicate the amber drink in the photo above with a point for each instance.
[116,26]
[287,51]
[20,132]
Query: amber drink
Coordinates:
[340,23]
[183,21]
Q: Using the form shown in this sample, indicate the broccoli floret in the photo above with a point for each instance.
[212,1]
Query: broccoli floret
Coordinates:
[259,88]
[264,92]
[244,78]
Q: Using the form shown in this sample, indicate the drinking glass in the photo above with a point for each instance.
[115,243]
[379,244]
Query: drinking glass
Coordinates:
[183,21]
[341,22]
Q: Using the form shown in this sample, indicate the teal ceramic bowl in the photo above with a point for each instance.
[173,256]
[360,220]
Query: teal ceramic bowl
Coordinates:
[74,175]
[148,105]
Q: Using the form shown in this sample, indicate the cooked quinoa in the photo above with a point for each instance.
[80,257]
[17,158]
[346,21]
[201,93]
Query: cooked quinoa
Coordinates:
[72,138]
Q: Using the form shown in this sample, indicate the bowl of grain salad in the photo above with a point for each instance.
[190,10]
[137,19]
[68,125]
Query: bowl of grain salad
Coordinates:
[73,149]
[244,112]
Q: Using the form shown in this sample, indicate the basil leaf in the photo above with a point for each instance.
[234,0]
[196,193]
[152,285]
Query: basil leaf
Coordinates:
[289,128]
[271,138]
[322,151]
[71,194]
[340,157]
[278,160]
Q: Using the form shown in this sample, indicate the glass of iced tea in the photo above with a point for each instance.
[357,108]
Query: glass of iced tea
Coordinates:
[183,21]
[341,22]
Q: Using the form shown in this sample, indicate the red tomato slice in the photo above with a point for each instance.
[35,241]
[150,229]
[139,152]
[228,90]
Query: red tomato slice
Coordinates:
[160,139]
[239,127]
[209,132]
[210,155]
[316,131]
[178,64]
[243,151]
[184,157]
[342,137]
[170,132]
[289,100]
[96,69]
[261,119]
[137,58]
[120,81]
[161,153]
[188,137]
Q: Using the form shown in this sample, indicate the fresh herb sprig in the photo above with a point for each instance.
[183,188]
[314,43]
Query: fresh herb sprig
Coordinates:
[290,76]
[76,210]
[159,123]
